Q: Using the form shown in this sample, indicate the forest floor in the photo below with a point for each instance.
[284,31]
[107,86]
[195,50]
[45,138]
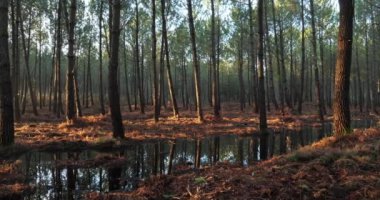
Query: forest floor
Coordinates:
[93,130]
[280,177]
[333,168]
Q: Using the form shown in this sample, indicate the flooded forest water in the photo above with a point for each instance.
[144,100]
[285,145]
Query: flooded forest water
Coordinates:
[70,175]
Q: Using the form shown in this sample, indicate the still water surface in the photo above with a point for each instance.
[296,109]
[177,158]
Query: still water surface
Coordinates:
[70,175]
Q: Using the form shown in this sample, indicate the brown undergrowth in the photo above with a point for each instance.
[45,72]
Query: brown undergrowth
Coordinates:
[91,129]
[267,180]
[334,168]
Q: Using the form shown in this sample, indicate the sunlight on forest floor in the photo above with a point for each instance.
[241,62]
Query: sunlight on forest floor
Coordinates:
[329,168]
[94,128]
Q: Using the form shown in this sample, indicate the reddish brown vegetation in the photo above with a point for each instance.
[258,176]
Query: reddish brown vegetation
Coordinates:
[335,168]
[44,130]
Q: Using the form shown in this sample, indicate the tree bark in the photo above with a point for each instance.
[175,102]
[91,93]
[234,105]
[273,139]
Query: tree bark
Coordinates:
[341,106]
[315,64]
[137,57]
[156,99]
[240,73]
[126,77]
[359,83]
[28,74]
[101,94]
[280,85]
[169,75]
[253,57]
[215,91]
[113,92]
[16,58]
[262,107]
[300,101]
[70,95]
[195,62]
[271,91]
[6,104]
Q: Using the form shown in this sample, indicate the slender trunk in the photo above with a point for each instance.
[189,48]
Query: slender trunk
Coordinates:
[300,101]
[40,66]
[368,94]
[195,62]
[282,56]
[215,92]
[262,108]
[26,47]
[321,48]
[16,57]
[101,94]
[315,63]
[162,76]
[359,83]
[57,88]
[137,57]
[70,95]
[156,99]
[271,90]
[169,75]
[240,73]
[280,85]
[113,91]
[253,58]
[76,91]
[126,77]
[89,75]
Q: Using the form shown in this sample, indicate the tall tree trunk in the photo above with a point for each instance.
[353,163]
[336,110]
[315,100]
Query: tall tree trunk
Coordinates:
[137,57]
[262,107]
[280,76]
[359,83]
[6,104]
[374,80]
[240,73]
[215,91]
[84,93]
[282,58]
[142,76]
[271,91]
[323,82]
[26,47]
[40,92]
[161,90]
[126,76]
[89,75]
[300,101]
[15,7]
[253,57]
[156,99]
[101,95]
[57,84]
[70,95]
[368,94]
[315,63]
[343,66]
[195,62]
[76,91]
[170,82]
[113,91]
